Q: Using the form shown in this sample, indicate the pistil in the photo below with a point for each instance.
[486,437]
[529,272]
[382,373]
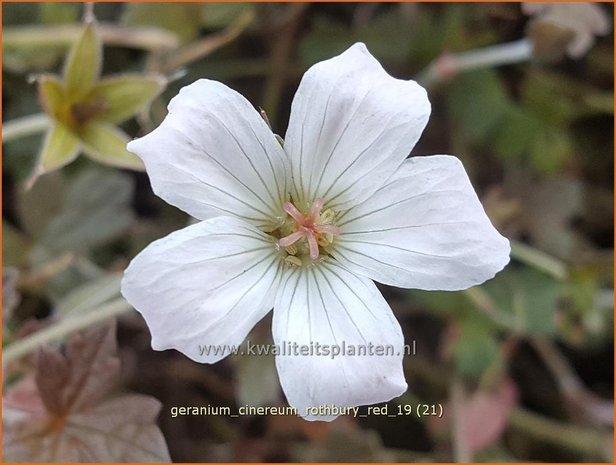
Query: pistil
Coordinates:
[311,227]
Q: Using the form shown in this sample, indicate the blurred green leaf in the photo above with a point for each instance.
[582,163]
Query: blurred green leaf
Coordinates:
[475,348]
[15,246]
[183,19]
[602,102]
[534,129]
[427,46]
[96,208]
[550,149]
[530,296]
[549,208]
[59,12]
[89,296]
[38,205]
[326,38]
[478,103]
[221,15]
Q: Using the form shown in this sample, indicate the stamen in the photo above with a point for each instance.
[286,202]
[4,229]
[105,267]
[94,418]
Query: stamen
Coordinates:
[292,260]
[315,227]
[327,228]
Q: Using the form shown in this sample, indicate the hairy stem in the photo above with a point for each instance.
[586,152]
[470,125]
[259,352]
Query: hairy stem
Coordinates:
[448,65]
[539,260]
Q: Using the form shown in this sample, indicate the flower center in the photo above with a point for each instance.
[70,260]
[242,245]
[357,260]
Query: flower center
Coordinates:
[314,229]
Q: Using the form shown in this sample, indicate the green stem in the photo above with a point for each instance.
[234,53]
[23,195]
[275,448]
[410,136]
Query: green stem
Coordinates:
[579,439]
[209,44]
[34,37]
[24,126]
[574,438]
[63,328]
[484,303]
[539,260]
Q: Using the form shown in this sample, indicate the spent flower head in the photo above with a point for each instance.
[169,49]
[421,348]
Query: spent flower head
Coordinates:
[305,227]
[559,28]
[85,108]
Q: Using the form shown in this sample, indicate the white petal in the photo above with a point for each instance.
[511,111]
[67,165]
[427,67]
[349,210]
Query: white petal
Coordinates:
[328,305]
[351,126]
[205,285]
[213,154]
[425,229]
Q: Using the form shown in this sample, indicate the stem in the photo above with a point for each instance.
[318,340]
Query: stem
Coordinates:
[579,439]
[484,303]
[207,45]
[63,328]
[25,126]
[461,448]
[282,41]
[574,438]
[539,260]
[448,65]
[32,37]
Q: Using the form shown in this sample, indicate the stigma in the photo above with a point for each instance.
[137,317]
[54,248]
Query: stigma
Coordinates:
[315,228]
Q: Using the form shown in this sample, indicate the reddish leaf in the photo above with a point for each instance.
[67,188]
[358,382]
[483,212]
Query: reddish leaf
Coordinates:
[484,415]
[61,415]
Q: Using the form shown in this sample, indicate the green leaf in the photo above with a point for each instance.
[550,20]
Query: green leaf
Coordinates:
[183,19]
[514,135]
[478,103]
[326,38]
[58,12]
[601,102]
[124,96]
[38,205]
[83,64]
[475,348]
[96,209]
[106,144]
[550,149]
[221,15]
[15,246]
[89,296]
[530,296]
[51,95]
[60,147]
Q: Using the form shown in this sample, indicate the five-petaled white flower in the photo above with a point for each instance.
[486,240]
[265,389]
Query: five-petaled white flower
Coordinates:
[305,229]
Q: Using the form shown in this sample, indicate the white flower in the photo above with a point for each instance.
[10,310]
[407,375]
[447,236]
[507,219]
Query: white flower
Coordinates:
[306,228]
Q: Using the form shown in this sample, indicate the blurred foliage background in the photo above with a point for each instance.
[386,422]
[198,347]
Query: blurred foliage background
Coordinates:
[523,364]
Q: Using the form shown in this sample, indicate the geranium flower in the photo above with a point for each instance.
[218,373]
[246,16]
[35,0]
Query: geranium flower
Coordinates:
[305,228]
